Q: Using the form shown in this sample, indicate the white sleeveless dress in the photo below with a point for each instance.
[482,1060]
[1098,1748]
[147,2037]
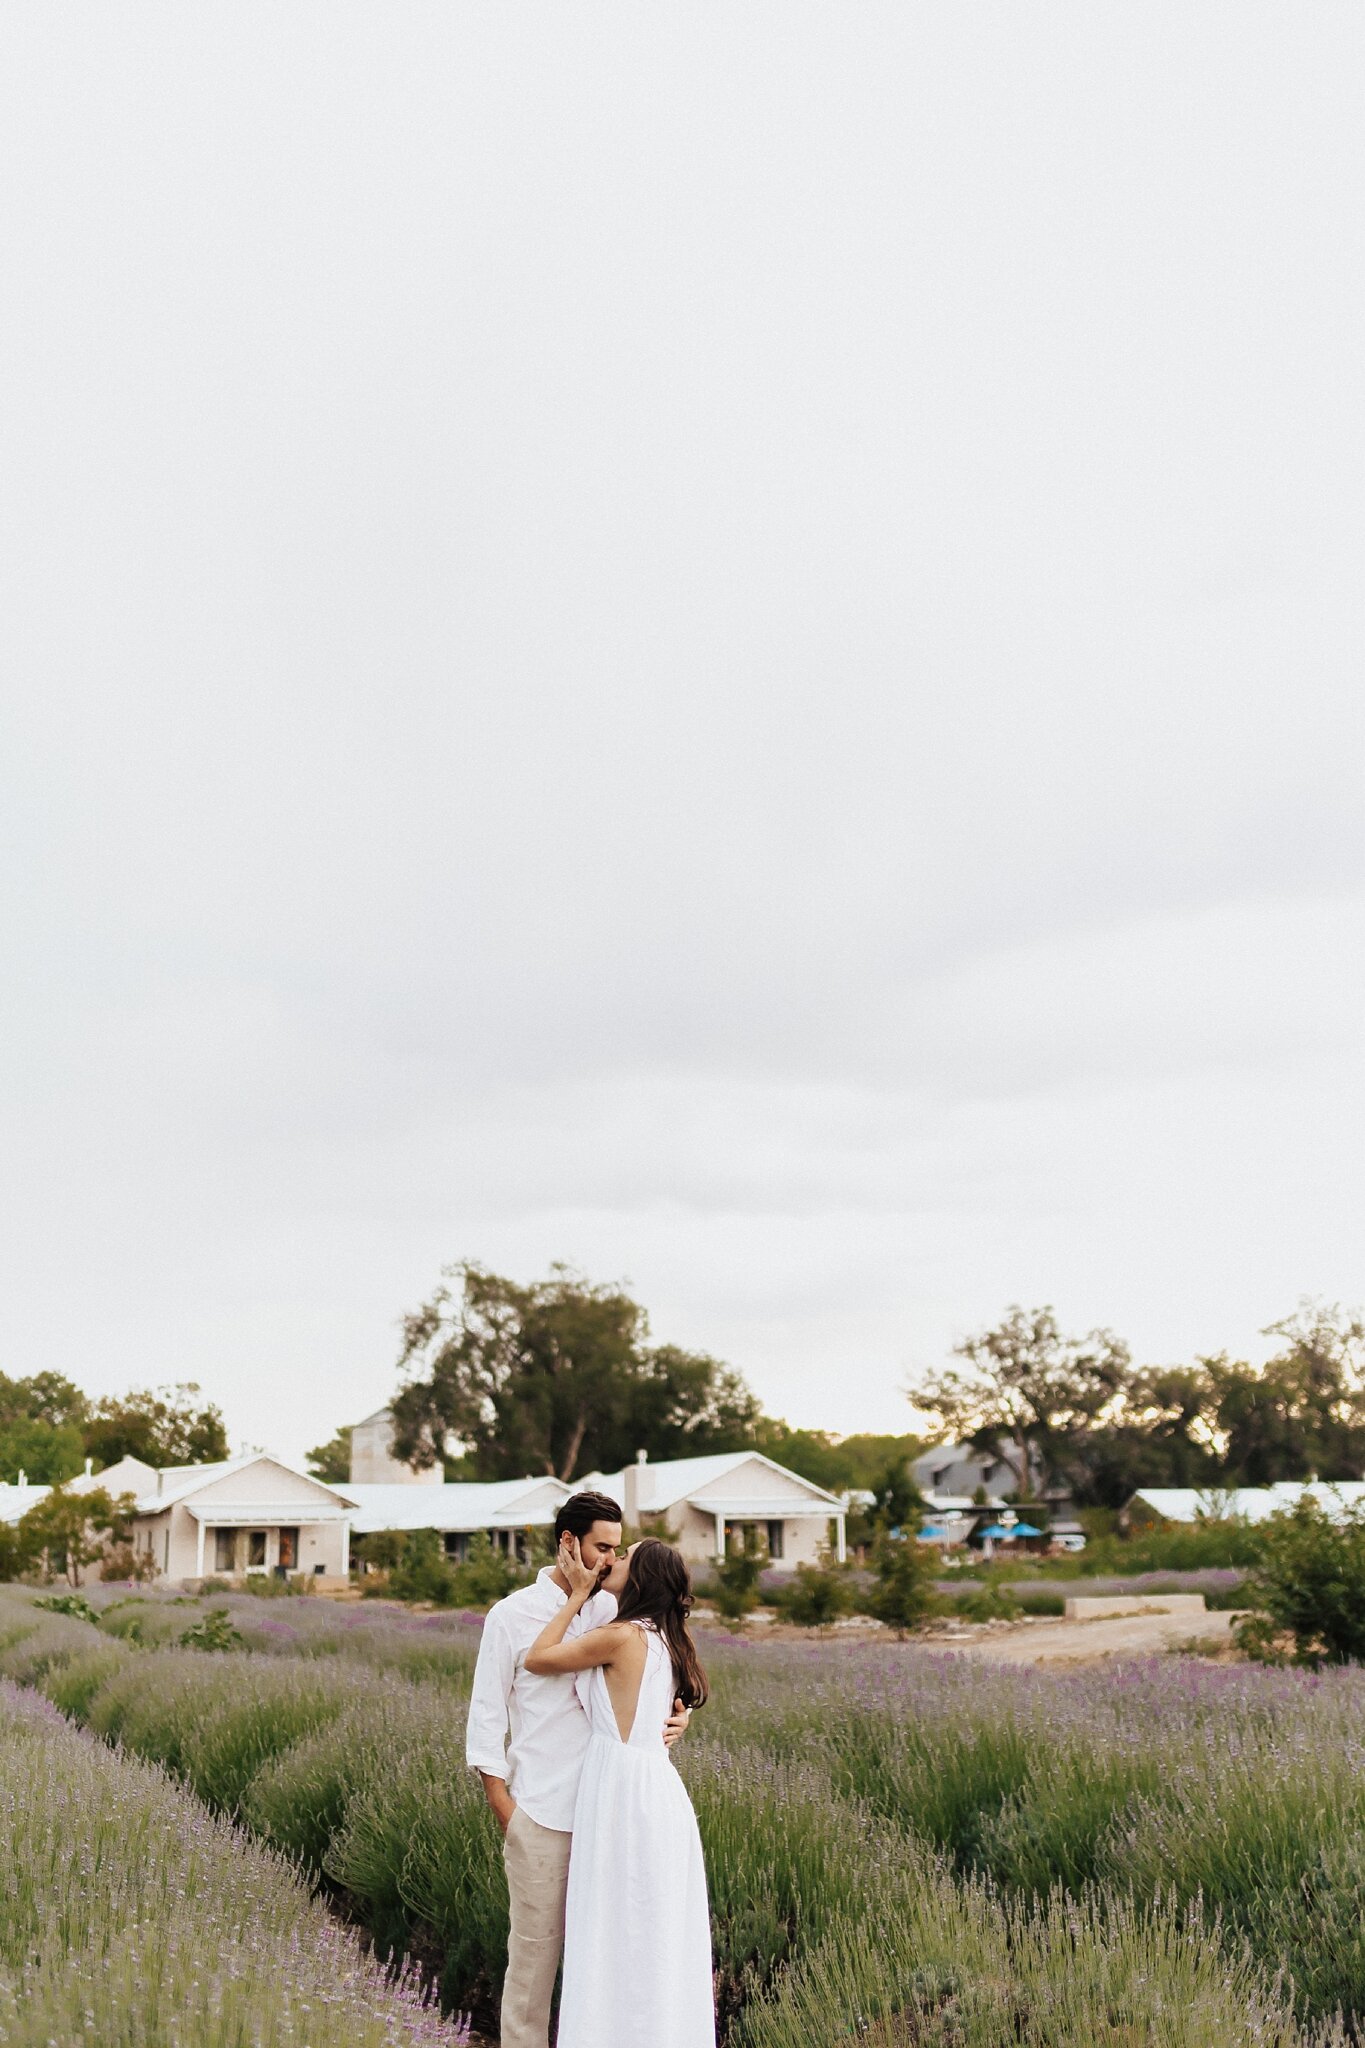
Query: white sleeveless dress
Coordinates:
[637,1940]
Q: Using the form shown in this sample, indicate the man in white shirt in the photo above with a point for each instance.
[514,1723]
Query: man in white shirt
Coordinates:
[531,1782]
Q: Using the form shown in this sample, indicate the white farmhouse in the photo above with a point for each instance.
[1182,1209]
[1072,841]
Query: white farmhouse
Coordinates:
[241,1517]
[709,1502]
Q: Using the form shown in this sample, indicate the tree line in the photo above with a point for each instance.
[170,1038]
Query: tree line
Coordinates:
[1076,1413]
[48,1428]
[560,1376]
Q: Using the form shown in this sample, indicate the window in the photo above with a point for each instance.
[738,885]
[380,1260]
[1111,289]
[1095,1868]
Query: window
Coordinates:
[289,1550]
[774,1539]
[255,1550]
[224,1550]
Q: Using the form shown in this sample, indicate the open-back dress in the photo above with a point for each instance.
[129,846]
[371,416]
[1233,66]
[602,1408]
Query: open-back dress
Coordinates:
[637,1942]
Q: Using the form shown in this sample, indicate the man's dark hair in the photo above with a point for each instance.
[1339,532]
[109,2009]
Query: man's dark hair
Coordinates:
[581,1510]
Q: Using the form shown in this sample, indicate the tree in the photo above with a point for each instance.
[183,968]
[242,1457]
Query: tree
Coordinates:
[331,1462]
[816,1595]
[734,1589]
[841,1464]
[905,1595]
[67,1531]
[1029,1393]
[166,1427]
[1310,1585]
[897,1502]
[555,1377]
[1163,1432]
[685,1402]
[40,1428]
[1303,1412]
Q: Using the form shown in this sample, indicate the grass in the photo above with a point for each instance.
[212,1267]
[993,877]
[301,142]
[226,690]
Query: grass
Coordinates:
[903,1848]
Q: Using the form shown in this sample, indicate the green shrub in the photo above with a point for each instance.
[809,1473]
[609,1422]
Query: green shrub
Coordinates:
[485,1575]
[1309,1586]
[276,1585]
[74,1604]
[989,1603]
[735,1576]
[1041,1603]
[382,1549]
[423,1572]
[1211,1545]
[816,1595]
[904,1596]
[213,1631]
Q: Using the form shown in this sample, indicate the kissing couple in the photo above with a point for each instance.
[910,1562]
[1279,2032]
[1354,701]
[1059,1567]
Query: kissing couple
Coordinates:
[591,1673]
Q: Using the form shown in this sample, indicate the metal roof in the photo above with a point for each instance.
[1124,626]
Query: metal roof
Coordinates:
[458,1506]
[1246,1503]
[671,1480]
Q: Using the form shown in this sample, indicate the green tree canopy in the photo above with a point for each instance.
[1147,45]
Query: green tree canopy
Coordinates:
[41,1421]
[170,1426]
[556,1376]
[1028,1393]
[1303,1412]
[331,1462]
[840,1464]
[68,1531]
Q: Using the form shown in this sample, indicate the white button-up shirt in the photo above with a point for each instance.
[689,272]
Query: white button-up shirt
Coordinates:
[549,1728]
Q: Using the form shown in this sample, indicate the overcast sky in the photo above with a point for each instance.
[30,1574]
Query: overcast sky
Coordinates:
[720,643]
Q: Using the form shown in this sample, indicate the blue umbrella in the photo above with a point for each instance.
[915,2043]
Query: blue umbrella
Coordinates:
[997,1529]
[930,1531]
[1026,1529]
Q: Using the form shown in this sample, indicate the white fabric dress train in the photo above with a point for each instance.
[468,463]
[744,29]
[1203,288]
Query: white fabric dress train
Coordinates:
[637,1942]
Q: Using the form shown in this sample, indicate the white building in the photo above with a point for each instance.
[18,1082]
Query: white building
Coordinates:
[708,1503]
[235,1519]
[129,1475]
[253,1514]
[242,1517]
[704,1501]
[504,1510]
[372,1459]
[1189,1504]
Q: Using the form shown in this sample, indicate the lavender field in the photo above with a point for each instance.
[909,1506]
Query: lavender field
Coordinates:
[904,1848]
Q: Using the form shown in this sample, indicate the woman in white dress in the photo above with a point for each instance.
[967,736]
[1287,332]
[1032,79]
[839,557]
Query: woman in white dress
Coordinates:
[637,1939]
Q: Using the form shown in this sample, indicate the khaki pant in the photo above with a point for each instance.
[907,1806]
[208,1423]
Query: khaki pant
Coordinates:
[537,1863]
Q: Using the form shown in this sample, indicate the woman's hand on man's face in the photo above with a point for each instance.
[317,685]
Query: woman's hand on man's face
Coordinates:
[581,1577]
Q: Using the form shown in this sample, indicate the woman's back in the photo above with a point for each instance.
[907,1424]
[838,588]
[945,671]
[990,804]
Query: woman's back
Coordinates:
[629,1703]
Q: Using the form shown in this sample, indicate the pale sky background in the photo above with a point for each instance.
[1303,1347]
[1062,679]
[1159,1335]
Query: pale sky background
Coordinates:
[719,643]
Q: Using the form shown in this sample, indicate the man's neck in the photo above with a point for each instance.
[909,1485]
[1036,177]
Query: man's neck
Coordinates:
[557,1578]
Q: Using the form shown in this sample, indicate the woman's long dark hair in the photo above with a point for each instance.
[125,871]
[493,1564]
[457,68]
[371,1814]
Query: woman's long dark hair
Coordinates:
[658,1588]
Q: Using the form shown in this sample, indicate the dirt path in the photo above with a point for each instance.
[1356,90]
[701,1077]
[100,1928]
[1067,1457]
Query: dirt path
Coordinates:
[1090,1642]
[1027,1642]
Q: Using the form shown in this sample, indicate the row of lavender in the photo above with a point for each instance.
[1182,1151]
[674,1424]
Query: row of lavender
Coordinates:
[900,1846]
[131,1914]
